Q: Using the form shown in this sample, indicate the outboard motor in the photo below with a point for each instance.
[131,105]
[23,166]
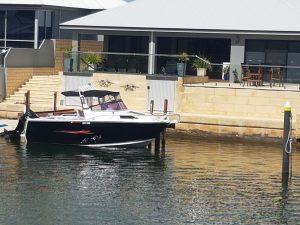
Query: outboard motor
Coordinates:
[15,134]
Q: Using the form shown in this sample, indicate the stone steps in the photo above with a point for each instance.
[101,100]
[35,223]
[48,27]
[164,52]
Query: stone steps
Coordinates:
[41,89]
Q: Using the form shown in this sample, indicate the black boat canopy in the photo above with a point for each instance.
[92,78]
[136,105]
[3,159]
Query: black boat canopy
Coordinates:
[90,93]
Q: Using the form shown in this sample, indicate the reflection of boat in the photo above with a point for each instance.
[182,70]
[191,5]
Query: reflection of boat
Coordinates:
[103,120]
[2,125]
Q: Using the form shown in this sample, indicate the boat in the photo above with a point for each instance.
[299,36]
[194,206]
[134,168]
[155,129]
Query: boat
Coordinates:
[102,121]
[2,125]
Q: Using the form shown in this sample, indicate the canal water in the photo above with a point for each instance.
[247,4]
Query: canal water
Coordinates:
[196,181]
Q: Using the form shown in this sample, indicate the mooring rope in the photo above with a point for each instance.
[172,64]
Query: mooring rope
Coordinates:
[290,138]
[289,142]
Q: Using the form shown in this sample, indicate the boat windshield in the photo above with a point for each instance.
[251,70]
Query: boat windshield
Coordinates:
[108,102]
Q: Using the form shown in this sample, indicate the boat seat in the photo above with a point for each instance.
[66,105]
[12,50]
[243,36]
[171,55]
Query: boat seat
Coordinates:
[104,106]
[114,106]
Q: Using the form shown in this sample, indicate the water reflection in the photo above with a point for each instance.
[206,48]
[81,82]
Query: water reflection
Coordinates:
[197,181]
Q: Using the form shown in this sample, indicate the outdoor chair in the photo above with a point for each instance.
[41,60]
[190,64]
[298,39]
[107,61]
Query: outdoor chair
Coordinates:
[245,76]
[276,77]
[256,78]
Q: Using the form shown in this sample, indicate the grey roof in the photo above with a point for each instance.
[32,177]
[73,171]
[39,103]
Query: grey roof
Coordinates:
[245,16]
[82,4]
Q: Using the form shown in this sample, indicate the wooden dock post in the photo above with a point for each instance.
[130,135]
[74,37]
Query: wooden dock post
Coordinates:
[163,140]
[27,101]
[166,106]
[286,144]
[54,101]
[151,106]
[157,144]
[163,133]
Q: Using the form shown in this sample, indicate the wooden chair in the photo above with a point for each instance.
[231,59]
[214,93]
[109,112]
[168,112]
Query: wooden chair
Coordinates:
[276,77]
[256,78]
[245,76]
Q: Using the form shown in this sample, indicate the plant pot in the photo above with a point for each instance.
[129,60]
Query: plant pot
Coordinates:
[91,67]
[201,72]
[68,64]
[226,76]
[181,69]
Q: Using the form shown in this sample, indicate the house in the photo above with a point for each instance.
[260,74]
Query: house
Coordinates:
[252,32]
[141,44]
[24,24]
[31,41]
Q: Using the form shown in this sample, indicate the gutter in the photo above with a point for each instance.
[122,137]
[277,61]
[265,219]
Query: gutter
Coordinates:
[179,30]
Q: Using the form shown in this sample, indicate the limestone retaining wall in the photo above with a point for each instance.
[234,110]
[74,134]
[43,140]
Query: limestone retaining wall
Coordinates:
[134,99]
[222,110]
[236,110]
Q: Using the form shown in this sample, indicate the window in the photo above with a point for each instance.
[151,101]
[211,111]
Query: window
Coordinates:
[20,24]
[45,24]
[129,44]
[20,44]
[2,24]
[128,63]
[276,52]
[255,52]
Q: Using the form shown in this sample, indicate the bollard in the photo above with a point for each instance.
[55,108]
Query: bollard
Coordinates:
[54,101]
[151,106]
[27,101]
[286,148]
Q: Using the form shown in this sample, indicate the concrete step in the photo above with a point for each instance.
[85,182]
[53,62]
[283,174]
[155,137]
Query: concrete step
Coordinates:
[38,77]
[40,86]
[41,89]
[41,82]
[33,94]
[53,78]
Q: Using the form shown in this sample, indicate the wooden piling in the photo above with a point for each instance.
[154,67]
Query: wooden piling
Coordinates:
[166,106]
[286,148]
[163,140]
[54,101]
[157,144]
[27,101]
[151,106]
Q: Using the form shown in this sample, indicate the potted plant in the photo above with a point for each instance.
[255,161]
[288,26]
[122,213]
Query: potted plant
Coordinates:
[226,72]
[67,58]
[181,65]
[92,60]
[201,64]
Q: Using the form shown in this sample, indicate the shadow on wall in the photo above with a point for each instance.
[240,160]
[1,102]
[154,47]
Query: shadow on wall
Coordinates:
[27,57]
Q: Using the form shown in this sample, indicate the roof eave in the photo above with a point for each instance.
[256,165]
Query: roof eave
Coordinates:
[180,30]
[33,6]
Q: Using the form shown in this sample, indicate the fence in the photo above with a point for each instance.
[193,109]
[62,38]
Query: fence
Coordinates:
[133,63]
[166,65]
